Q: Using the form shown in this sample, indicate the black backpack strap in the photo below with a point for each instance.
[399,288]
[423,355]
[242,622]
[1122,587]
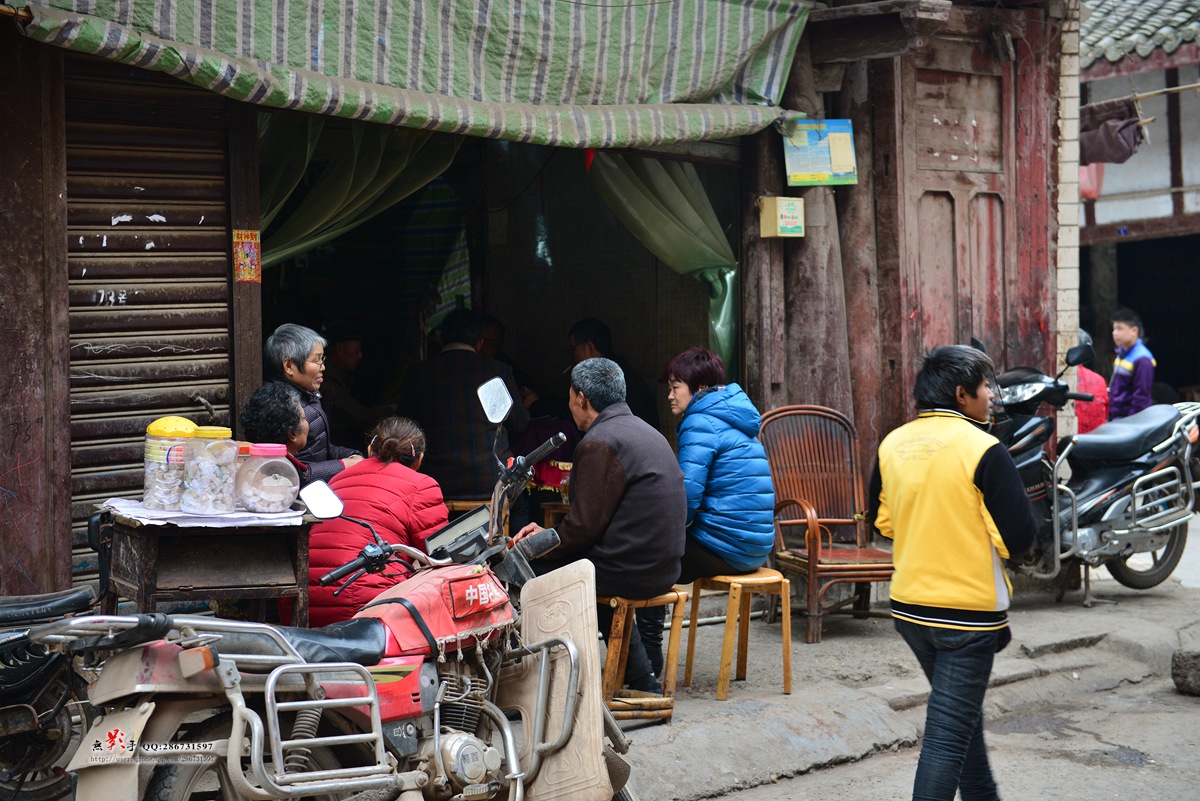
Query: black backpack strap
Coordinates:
[416,616]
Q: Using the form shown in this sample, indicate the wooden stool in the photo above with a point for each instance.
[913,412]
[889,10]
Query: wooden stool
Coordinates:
[632,704]
[737,623]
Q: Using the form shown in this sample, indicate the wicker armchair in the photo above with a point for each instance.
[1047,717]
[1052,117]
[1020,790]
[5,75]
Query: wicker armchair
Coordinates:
[820,529]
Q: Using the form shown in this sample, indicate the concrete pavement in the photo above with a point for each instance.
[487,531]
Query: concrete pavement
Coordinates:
[860,690]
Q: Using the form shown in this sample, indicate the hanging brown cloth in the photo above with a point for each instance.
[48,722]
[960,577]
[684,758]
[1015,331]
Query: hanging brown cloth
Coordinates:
[1109,131]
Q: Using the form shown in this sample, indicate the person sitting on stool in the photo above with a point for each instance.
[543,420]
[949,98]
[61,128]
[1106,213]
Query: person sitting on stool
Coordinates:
[627,505]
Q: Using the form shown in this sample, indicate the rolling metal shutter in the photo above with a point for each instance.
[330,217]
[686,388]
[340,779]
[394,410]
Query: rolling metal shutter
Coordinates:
[149,265]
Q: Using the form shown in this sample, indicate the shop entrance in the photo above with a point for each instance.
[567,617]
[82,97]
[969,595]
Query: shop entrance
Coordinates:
[514,231]
[1155,278]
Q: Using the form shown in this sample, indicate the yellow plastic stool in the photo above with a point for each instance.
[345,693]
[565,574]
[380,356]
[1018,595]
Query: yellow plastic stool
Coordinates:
[737,623]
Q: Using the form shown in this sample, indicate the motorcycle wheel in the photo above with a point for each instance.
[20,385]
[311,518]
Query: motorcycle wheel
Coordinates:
[1150,569]
[51,747]
[208,781]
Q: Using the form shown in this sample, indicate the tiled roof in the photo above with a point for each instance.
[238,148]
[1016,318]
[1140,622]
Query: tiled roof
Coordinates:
[1115,28]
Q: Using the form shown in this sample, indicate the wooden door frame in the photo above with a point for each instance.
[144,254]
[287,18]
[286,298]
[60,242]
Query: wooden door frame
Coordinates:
[1029,85]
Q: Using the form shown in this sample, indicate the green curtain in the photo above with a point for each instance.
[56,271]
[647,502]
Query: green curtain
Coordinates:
[368,169]
[665,206]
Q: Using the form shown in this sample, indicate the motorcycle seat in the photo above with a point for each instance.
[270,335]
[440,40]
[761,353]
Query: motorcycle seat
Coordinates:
[1127,438]
[360,640]
[20,609]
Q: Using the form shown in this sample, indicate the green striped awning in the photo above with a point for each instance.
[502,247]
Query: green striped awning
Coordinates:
[604,73]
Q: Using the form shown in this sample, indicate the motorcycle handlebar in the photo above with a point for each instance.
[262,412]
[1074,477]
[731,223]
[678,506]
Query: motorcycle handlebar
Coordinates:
[1087,397]
[536,545]
[542,451]
[339,573]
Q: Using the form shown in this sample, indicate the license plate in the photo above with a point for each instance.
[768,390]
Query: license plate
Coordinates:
[113,739]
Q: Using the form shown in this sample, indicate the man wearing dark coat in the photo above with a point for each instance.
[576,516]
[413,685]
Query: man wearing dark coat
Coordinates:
[440,395]
[628,505]
[591,338]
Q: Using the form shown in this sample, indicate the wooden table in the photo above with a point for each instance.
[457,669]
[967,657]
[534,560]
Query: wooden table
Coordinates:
[152,564]
[553,513]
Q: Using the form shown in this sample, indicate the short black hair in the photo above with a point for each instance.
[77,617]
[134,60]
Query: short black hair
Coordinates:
[462,326]
[947,368]
[491,320]
[272,413]
[336,331]
[589,329]
[1130,318]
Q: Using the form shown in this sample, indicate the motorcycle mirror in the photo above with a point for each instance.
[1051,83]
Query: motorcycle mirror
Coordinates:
[321,501]
[496,400]
[1080,354]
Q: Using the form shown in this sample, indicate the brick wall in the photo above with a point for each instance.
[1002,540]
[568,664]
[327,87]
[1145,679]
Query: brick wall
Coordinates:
[1069,210]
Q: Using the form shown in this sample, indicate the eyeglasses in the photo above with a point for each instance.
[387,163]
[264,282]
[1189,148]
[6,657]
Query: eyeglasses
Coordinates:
[320,360]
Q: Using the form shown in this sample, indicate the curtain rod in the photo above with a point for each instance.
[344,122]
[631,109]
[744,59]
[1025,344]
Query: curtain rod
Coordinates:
[23,14]
[1169,91]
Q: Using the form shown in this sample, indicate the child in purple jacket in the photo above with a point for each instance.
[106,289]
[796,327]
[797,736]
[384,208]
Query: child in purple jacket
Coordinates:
[1133,367]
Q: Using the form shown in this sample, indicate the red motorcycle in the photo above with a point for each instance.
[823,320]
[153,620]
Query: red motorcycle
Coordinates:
[450,686]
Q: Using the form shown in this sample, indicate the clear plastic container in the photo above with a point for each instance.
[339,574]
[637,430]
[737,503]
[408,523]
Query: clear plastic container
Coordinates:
[243,453]
[267,482]
[162,481]
[210,468]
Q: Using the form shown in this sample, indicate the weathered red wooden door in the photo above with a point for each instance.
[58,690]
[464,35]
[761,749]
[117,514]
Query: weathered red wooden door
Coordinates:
[971,216]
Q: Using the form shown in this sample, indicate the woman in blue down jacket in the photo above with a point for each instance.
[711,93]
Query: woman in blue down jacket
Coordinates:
[730,498]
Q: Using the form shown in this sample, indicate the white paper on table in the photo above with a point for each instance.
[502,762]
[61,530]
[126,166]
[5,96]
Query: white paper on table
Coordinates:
[136,510]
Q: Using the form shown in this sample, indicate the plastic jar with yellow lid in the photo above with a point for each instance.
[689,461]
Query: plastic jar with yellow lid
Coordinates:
[162,481]
[210,467]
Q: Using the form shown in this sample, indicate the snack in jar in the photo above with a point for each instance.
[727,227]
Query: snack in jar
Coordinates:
[210,467]
[162,481]
[267,482]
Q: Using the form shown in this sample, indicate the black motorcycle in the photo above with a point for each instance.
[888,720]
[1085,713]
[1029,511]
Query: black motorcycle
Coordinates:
[1119,496]
[44,709]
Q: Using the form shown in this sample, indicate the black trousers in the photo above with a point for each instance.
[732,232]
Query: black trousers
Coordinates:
[638,665]
[645,642]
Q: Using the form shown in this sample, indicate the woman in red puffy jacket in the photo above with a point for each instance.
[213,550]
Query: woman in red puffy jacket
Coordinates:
[385,490]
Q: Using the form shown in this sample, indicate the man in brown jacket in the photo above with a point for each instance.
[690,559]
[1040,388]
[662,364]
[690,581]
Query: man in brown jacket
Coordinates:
[628,505]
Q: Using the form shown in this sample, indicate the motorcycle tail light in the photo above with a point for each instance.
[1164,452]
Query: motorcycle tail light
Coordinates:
[1193,433]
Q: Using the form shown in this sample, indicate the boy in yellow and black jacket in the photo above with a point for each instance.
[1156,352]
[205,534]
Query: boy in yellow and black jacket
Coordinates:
[949,496]
[950,572]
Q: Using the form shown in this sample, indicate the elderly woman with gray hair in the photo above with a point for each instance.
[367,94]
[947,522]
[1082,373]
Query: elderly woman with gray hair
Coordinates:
[296,355]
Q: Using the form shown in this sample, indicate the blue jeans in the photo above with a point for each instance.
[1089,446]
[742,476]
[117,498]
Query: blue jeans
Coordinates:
[953,755]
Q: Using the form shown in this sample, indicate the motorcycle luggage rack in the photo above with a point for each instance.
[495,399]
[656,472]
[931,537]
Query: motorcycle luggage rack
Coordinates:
[1159,497]
[1159,500]
[279,745]
[188,631]
[1057,488]
[1189,429]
